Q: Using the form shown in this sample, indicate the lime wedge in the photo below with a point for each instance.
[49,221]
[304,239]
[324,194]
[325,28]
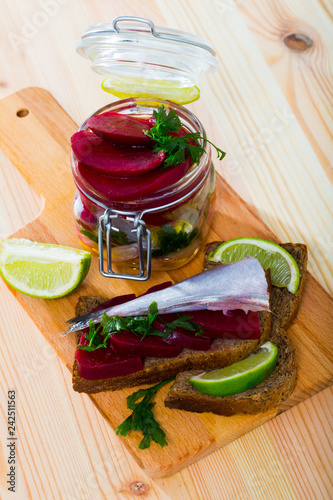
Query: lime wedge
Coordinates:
[144,87]
[239,376]
[41,269]
[283,267]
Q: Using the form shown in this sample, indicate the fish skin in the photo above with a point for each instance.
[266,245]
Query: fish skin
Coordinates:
[244,280]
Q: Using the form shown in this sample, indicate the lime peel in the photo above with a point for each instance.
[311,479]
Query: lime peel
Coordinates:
[283,267]
[239,376]
[42,270]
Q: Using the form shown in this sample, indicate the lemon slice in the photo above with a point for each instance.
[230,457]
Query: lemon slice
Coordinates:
[239,376]
[40,269]
[283,267]
[144,87]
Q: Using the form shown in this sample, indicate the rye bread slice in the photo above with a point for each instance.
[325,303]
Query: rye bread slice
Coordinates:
[265,396]
[279,386]
[222,352]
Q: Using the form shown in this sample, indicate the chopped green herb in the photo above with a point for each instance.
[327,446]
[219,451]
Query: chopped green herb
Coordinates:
[93,338]
[93,237]
[140,325]
[117,238]
[142,417]
[171,240]
[182,322]
[176,148]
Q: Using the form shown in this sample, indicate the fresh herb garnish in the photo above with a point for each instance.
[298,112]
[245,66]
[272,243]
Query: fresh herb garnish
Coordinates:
[140,325]
[171,240]
[142,417]
[117,237]
[93,338]
[176,148]
[182,322]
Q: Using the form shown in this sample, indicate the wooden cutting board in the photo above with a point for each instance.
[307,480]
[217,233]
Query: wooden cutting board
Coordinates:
[34,134]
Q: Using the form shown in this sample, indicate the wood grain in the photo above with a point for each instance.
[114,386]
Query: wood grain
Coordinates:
[47,59]
[49,124]
[303,74]
[261,134]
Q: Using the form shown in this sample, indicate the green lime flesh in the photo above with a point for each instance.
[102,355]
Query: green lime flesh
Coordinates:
[42,270]
[283,267]
[239,376]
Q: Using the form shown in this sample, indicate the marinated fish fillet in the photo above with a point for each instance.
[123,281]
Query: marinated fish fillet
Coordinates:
[238,285]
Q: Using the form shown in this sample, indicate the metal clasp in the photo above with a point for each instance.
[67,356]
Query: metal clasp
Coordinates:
[106,228]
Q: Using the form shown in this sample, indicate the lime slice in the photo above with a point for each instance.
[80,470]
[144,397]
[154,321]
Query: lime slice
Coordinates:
[283,267]
[239,376]
[40,269]
[144,87]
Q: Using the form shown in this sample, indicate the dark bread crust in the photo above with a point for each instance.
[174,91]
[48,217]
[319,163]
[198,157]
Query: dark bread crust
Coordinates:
[265,396]
[279,386]
[285,303]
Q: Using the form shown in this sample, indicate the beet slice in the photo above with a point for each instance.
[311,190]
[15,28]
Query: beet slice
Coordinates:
[123,130]
[105,159]
[105,363]
[180,336]
[188,340]
[124,190]
[152,346]
[157,288]
[236,324]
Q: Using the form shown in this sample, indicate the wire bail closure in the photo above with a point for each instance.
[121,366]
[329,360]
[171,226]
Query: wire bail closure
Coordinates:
[143,233]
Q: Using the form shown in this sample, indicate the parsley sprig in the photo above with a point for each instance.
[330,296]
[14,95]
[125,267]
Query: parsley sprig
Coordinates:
[140,325]
[142,417]
[176,148]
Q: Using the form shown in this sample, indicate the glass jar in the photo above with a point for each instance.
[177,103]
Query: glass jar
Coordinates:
[163,225]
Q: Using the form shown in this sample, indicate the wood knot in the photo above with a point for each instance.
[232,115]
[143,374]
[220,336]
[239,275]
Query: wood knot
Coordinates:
[139,488]
[298,42]
[22,113]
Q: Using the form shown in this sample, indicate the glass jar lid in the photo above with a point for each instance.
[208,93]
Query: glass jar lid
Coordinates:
[140,59]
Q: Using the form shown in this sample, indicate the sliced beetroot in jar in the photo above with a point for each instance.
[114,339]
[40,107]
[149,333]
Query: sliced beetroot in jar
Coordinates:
[124,190]
[82,212]
[235,324]
[105,159]
[152,346]
[123,130]
[105,363]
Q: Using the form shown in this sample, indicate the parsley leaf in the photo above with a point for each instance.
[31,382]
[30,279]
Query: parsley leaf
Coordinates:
[142,417]
[171,240]
[140,325]
[182,322]
[176,148]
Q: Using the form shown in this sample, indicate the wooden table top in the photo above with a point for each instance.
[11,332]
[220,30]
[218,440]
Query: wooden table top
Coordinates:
[273,87]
